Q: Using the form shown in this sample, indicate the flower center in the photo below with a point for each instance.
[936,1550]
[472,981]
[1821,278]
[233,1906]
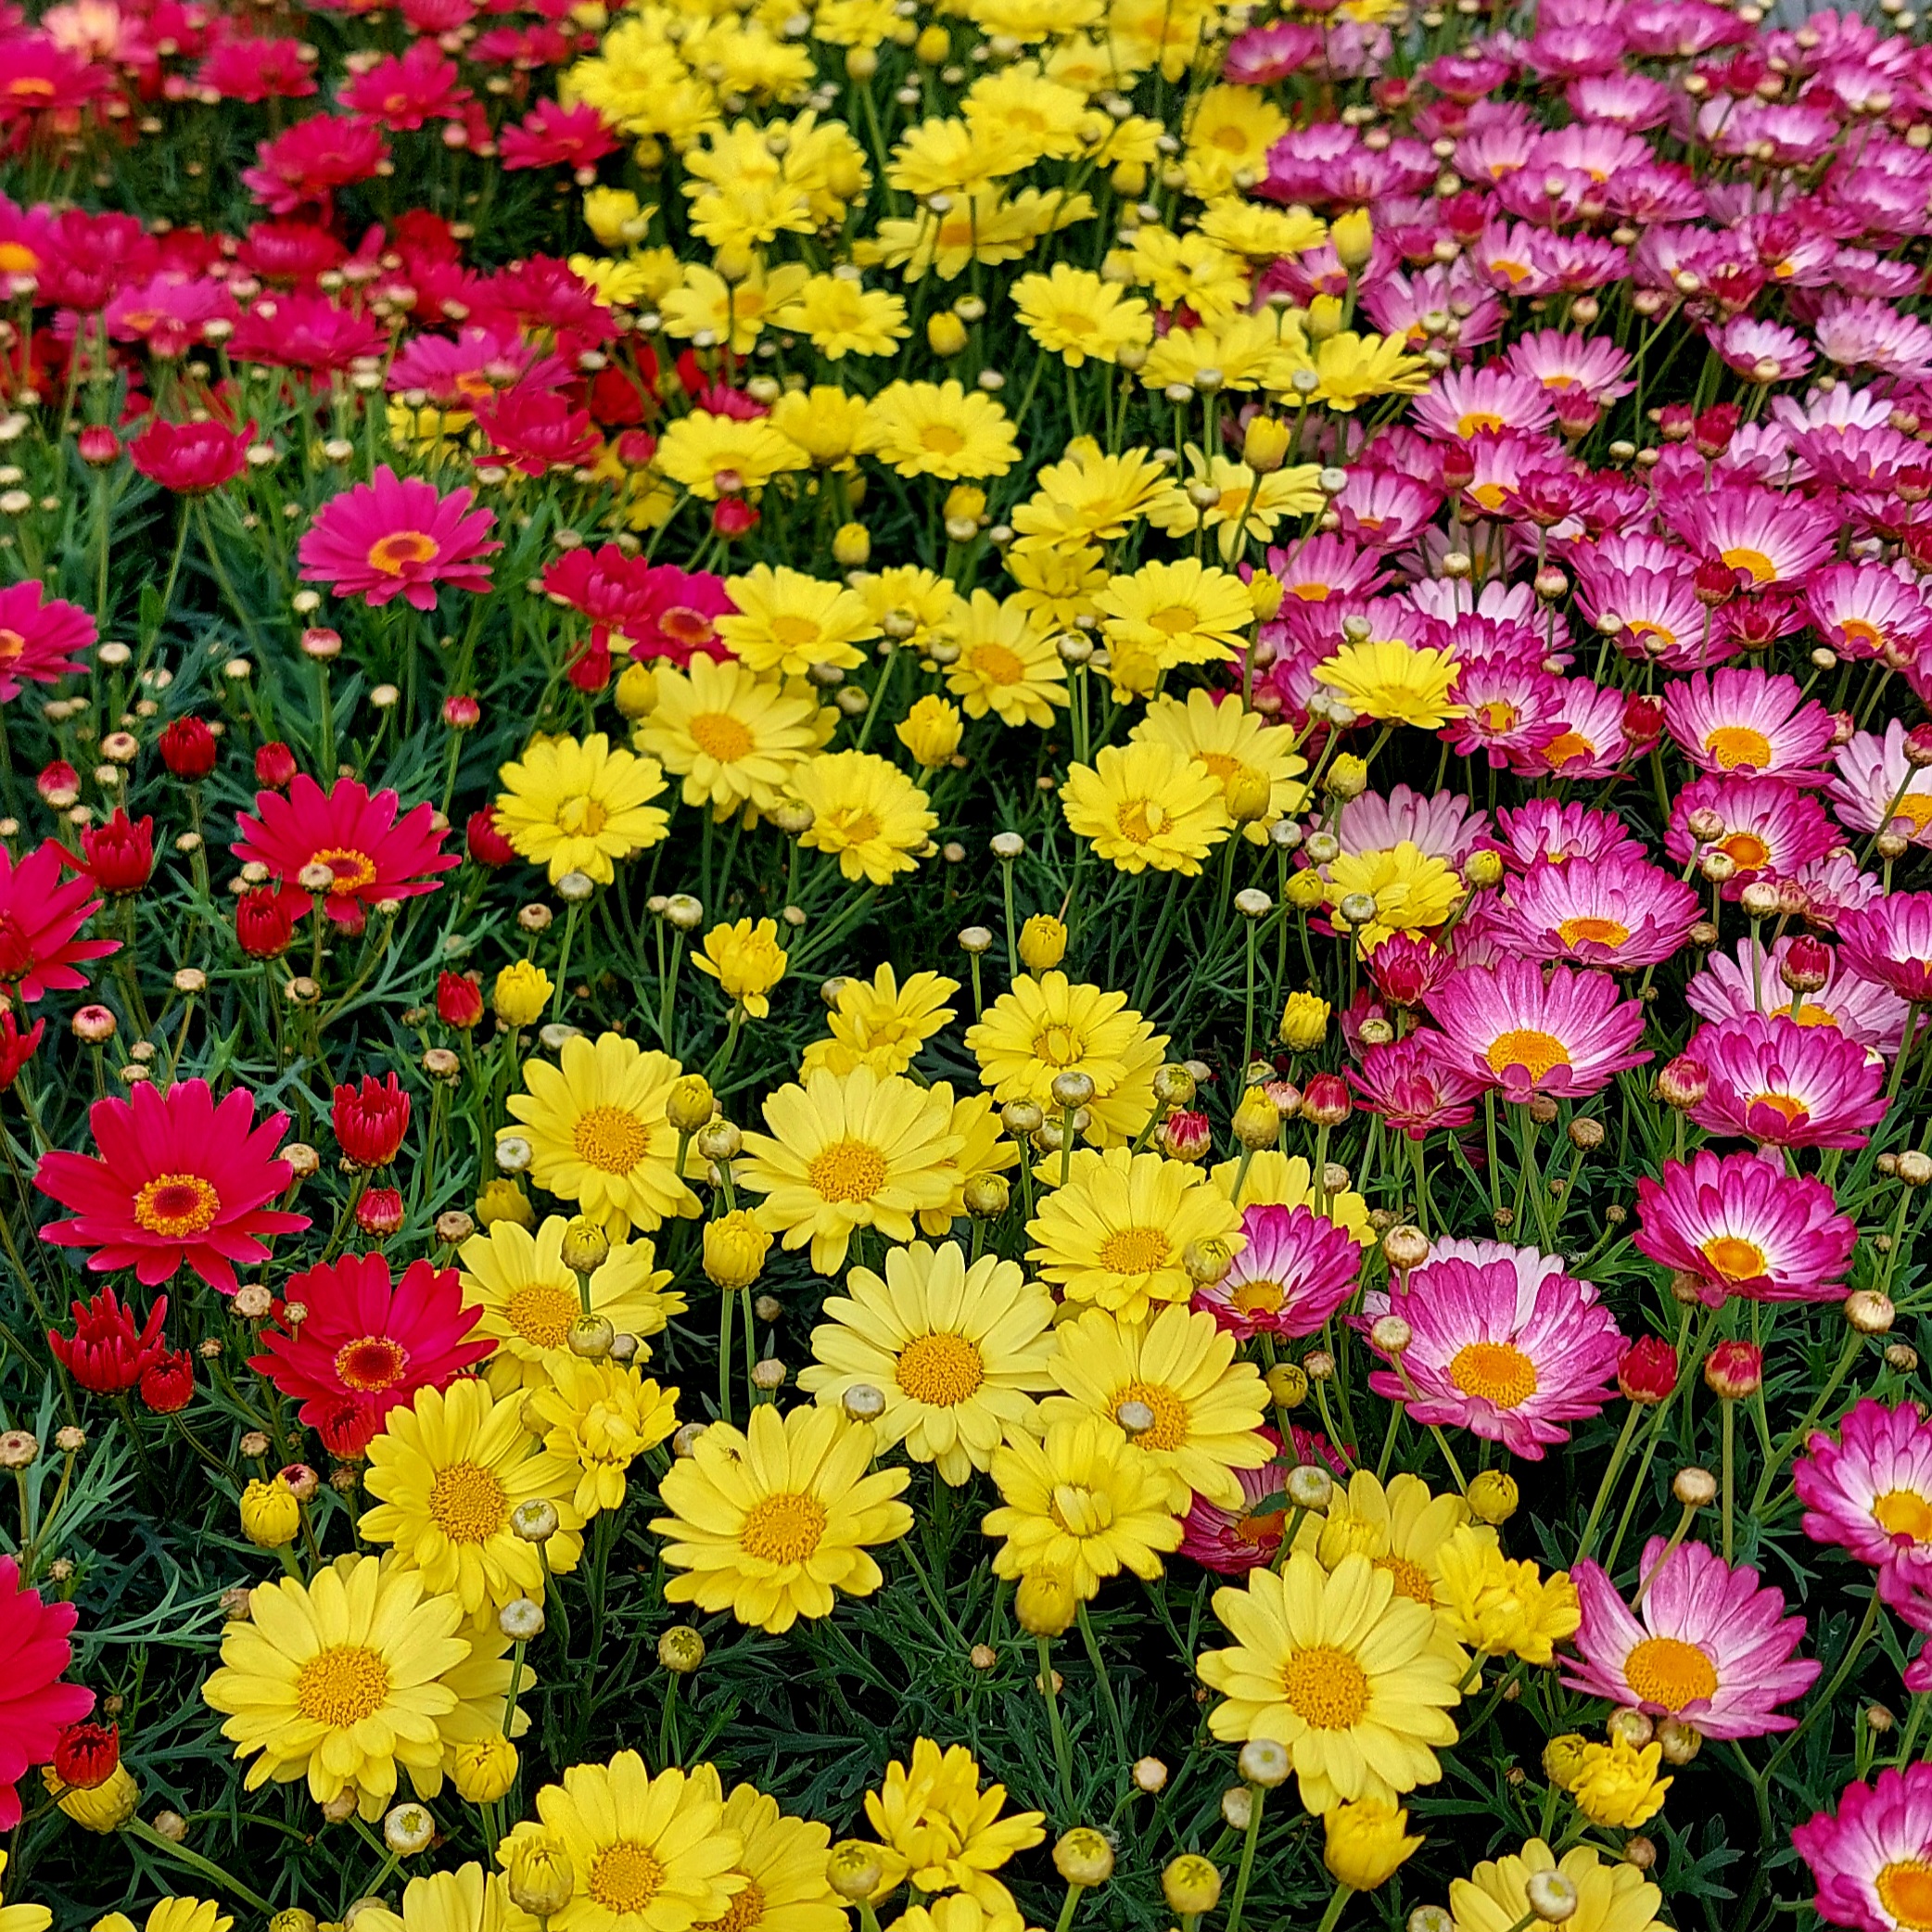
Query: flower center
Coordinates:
[626,1876]
[610,1139]
[11,644]
[1059,1046]
[542,1314]
[1669,1671]
[353,869]
[852,824]
[1741,557]
[997,665]
[783,1529]
[1904,1888]
[848,1169]
[1733,1257]
[1136,1251]
[371,1363]
[795,632]
[1262,1533]
[341,1686]
[1500,715]
[1260,1296]
[177,1205]
[941,1370]
[1141,820]
[942,439]
[1566,745]
[396,553]
[1080,1511]
[719,735]
[747,1910]
[1411,1580]
[1738,744]
[1524,1046]
[1745,849]
[1473,422]
[1176,620]
[1495,1372]
[1325,1687]
[1903,1512]
[1170,1425]
[1586,931]
[1789,1106]
[581,818]
[468,1504]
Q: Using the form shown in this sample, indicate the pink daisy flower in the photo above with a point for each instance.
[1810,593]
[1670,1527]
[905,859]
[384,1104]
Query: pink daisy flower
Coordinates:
[1653,615]
[1711,1645]
[1871,1858]
[1514,1027]
[1383,510]
[1748,722]
[1232,1542]
[1859,332]
[1889,943]
[1327,567]
[1620,913]
[1543,829]
[40,915]
[41,637]
[1727,987]
[1591,743]
[1509,713]
[397,537]
[474,367]
[1783,1084]
[1559,361]
[1632,101]
[1740,1225]
[1412,1088]
[1510,1354]
[1441,824]
[1773,539]
[1866,612]
[1768,829]
[1868,1490]
[181,1181]
[373,854]
[1762,351]
[1297,1270]
[1877,788]
[1827,889]
[1464,402]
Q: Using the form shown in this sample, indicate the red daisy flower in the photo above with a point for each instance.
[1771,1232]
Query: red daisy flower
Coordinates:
[364,1346]
[190,459]
[35,1707]
[553,136]
[39,916]
[373,854]
[311,159]
[40,637]
[397,536]
[180,1180]
[108,1354]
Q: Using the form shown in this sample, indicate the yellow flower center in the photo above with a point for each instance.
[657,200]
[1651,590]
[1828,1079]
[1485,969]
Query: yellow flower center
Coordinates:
[1174,619]
[1566,745]
[610,1139]
[177,1205]
[1745,849]
[1325,1687]
[852,824]
[1593,931]
[1915,809]
[1860,630]
[1903,1512]
[719,735]
[353,869]
[1738,744]
[1473,422]
[1141,820]
[1170,1425]
[11,645]
[1733,1257]
[1744,558]
[1809,1015]
[581,818]
[1136,1251]
[371,1363]
[1499,715]
[795,632]
[1788,1105]
[626,1876]
[468,1504]
[341,1686]
[747,1910]
[847,1170]
[1060,1045]
[941,1370]
[785,1527]
[997,664]
[941,439]
[1669,1671]
[1260,1296]
[16,258]
[1411,1580]
[1497,1372]
[542,1312]
[1904,1888]
[394,554]
[1526,1047]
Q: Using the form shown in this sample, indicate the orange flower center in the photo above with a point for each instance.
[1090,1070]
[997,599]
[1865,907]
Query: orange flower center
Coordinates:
[371,1364]
[1585,929]
[11,645]
[848,1171]
[997,664]
[1738,744]
[467,1503]
[1495,1372]
[1669,1671]
[1745,849]
[1742,558]
[542,1314]
[1411,1580]
[719,735]
[941,1369]
[626,1876]
[1170,1425]
[1904,1888]
[353,869]
[1136,1251]
[1525,1046]
[1325,1687]
[177,1205]
[1733,1257]
[1903,1512]
[786,1528]
[399,550]
[610,1139]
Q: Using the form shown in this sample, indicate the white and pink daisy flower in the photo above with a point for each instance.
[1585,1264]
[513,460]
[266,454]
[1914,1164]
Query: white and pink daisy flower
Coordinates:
[1509,712]
[1654,616]
[1890,942]
[1439,824]
[1559,361]
[1863,611]
[1232,1542]
[1767,828]
[1761,351]
[1514,1027]
[1730,985]
[1297,1270]
[1783,1084]
[1772,538]
[1411,1087]
[1466,403]
[1868,1490]
[1746,721]
[1871,1858]
[1877,788]
[1858,332]
[1541,830]
[1591,744]
[1618,913]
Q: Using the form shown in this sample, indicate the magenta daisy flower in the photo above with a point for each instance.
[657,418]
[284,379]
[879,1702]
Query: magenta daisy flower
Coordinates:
[1877,788]
[1327,567]
[371,853]
[1232,1542]
[1561,362]
[1653,615]
[1889,943]
[1730,985]
[1510,1354]
[1545,829]
[1509,710]
[1620,913]
[1863,332]
[41,637]
[1783,1084]
[181,1181]
[40,916]
[1868,1490]
[1510,1025]
[1771,537]
[1297,1270]
[1748,722]
[397,537]
[1464,402]
[1440,825]
[1412,1088]
[1738,1226]
[1871,1858]
[1711,1645]
[1863,610]
[1767,828]
[1591,743]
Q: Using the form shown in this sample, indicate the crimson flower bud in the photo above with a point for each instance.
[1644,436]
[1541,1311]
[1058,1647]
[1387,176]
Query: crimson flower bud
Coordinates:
[1458,467]
[379,1212]
[1807,964]
[460,712]
[371,1120]
[85,1755]
[733,516]
[170,1384]
[188,748]
[107,1354]
[264,927]
[1675,422]
[1734,1369]
[1714,427]
[459,1000]
[98,446]
[1406,969]
[119,855]
[1648,1371]
[1186,1136]
[1325,1101]
[58,784]
[1577,411]
[485,844]
[1713,583]
[589,669]
[1684,1083]
[1643,719]
[16,1047]
[274,765]
[1918,745]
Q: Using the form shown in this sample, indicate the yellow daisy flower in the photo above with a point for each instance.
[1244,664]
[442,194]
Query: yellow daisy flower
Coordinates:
[1009,662]
[1188,269]
[1277,1180]
[784,1865]
[984,1149]
[1058,586]
[482,1685]
[1399,1526]
[843,317]
[847,1151]
[1074,314]
[527,1297]
[1235,746]
[825,422]
[882,1025]
[598,1136]
[1229,132]
[1043,1027]
[920,597]
[602,1416]
[866,811]
[1080,1505]
[940,430]
[1348,1675]
[1393,682]
[713,456]
[447,1472]
[1262,233]
[1114,1234]
[1020,104]
[1612,1895]
[578,806]
[733,314]
[733,737]
[1413,890]
[939,1830]
[769,1523]
[787,621]
[340,1681]
[647,1854]
[1087,496]
[467,1899]
[957,1352]
[1352,369]
[1146,805]
[1180,1364]
[931,730]
[1245,508]
[746,961]
[1185,612]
